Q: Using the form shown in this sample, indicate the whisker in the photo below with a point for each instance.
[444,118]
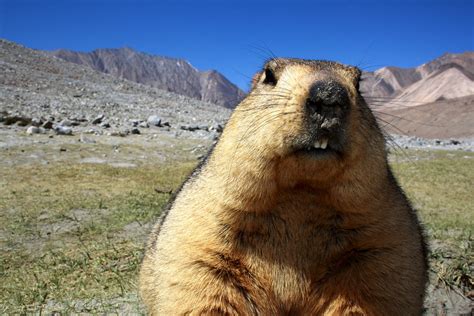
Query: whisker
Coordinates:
[408,120]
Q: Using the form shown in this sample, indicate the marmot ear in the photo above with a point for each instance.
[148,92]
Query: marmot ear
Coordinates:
[256,79]
[355,75]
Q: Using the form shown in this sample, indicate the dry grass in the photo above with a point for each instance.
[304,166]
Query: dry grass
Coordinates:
[72,235]
[76,232]
[441,186]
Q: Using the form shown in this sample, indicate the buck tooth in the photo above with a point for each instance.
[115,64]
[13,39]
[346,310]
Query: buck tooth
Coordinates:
[324,143]
[317,144]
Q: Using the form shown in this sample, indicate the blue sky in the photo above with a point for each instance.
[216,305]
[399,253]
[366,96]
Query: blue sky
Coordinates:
[235,37]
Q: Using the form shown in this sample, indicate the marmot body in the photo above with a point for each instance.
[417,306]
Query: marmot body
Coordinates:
[294,212]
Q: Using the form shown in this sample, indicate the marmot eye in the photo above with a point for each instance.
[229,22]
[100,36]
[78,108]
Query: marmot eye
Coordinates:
[270,77]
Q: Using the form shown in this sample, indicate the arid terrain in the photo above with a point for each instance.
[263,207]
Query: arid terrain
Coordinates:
[88,160]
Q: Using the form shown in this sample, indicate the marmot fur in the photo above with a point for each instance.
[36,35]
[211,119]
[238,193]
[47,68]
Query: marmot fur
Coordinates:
[294,212]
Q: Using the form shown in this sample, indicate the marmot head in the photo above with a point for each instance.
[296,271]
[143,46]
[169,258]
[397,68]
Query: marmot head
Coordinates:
[307,116]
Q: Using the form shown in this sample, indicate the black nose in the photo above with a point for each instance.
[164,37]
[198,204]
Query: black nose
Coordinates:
[326,95]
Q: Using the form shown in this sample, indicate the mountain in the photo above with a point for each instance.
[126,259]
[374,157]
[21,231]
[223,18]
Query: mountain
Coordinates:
[447,77]
[36,85]
[432,100]
[440,119]
[170,74]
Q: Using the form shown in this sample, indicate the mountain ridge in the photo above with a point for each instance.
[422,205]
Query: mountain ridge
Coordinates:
[449,76]
[166,73]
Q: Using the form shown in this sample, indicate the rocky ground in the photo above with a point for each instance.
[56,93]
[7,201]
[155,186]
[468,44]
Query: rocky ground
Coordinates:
[50,93]
[405,142]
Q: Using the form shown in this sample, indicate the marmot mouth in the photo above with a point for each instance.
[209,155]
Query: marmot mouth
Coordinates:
[319,148]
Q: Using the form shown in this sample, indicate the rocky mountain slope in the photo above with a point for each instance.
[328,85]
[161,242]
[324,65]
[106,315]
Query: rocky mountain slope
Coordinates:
[34,85]
[451,118]
[37,85]
[170,74]
[447,77]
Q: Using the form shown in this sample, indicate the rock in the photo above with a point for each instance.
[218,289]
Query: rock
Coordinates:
[119,133]
[86,140]
[23,121]
[19,120]
[36,121]
[98,119]
[65,122]
[135,131]
[47,125]
[63,130]
[455,142]
[78,120]
[124,132]
[190,128]
[143,125]
[154,120]
[33,130]
[216,127]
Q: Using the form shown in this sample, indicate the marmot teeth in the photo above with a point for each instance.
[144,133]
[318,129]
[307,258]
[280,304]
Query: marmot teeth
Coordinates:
[321,144]
[324,143]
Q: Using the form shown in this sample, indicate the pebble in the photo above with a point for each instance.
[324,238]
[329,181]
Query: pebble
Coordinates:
[66,122]
[36,121]
[98,119]
[86,140]
[63,130]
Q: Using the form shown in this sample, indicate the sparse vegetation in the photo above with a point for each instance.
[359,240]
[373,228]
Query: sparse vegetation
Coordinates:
[76,232]
[72,235]
[440,185]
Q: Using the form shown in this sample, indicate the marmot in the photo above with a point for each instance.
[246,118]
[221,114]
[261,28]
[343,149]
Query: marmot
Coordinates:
[294,212]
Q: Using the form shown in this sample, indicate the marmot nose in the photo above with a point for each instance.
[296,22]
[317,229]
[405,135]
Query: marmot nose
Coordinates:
[326,94]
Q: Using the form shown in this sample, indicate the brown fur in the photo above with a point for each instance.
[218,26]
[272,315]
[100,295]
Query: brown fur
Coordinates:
[261,229]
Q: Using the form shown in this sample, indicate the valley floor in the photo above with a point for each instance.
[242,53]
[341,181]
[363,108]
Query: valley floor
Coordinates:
[74,216]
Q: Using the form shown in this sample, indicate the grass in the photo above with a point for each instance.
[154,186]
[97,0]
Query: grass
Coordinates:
[440,185]
[64,231]
[72,235]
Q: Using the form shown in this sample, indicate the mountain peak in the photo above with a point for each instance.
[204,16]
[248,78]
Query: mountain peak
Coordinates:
[448,76]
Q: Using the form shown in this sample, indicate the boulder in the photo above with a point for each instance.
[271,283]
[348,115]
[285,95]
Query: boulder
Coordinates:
[154,120]
[33,130]
[47,125]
